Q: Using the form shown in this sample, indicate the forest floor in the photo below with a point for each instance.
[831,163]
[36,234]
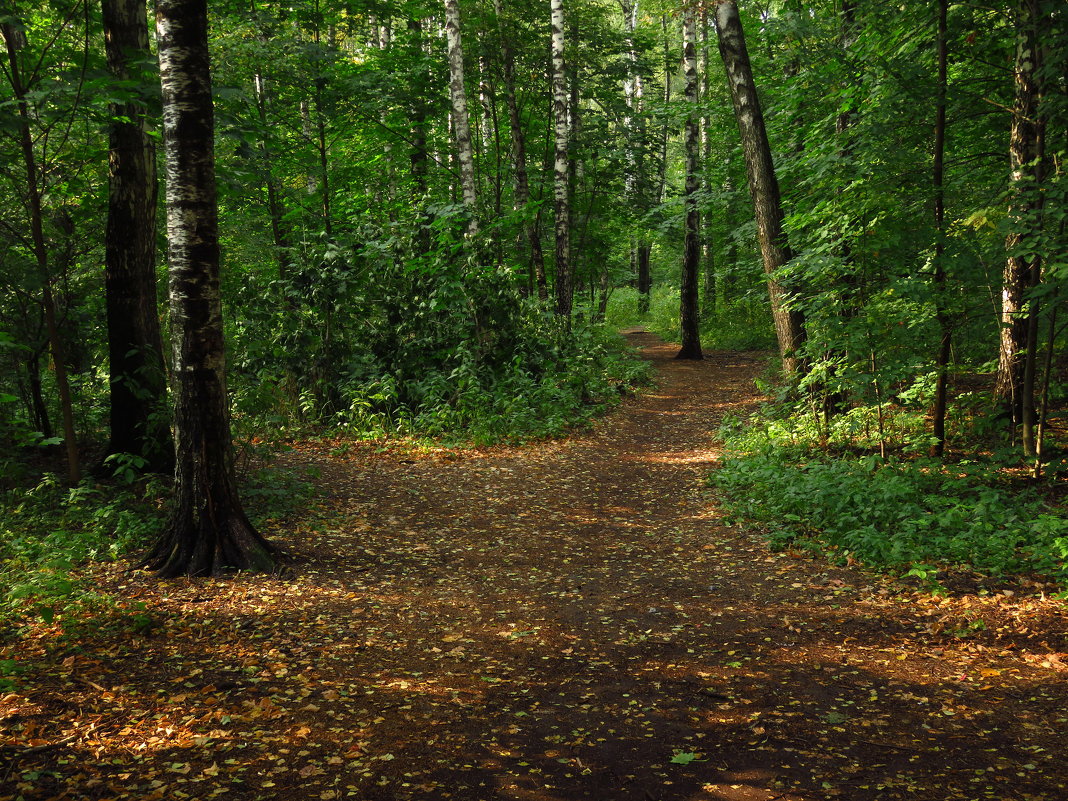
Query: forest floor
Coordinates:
[566,620]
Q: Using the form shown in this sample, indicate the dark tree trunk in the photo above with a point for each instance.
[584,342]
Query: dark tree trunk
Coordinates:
[534,257]
[645,277]
[139,423]
[763,185]
[689,313]
[418,155]
[945,343]
[15,38]
[208,532]
[37,405]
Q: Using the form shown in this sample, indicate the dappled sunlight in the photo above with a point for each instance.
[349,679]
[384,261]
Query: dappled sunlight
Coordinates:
[694,457]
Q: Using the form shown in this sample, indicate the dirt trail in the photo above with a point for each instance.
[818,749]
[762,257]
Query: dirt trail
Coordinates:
[563,621]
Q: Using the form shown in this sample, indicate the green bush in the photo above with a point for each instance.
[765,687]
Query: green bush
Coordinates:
[47,530]
[902,515]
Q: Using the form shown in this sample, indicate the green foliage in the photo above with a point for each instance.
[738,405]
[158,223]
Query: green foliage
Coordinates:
[741,324]
[48,530]
[904,515]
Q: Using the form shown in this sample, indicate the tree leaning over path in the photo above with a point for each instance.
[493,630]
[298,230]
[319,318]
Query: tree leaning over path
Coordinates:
[208,532]
[763,184]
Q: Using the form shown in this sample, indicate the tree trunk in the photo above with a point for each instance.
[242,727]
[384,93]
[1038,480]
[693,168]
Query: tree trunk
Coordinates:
[689,314]
[561,190]
[763,185]
[139,423]
[708,254]
[321,146]
[1026,153]
[14,38]
[535,259]
[208,532]
[418,156]
[460,119]
[645,277]
[945,343]
[38,407]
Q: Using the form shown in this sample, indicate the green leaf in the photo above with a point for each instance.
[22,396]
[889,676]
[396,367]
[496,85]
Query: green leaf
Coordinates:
[683,758]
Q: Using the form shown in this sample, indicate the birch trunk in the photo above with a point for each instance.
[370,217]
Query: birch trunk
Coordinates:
[138,380]
[561,190]
[763,185]
[689,314]
[208,532]
[708,255]
[461,121]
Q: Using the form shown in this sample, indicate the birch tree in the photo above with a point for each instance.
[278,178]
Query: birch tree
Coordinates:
[689,315]
[461,120]
[561,199]
[208,532]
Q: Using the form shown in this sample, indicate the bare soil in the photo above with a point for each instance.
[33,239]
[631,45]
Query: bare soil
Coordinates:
[566,620]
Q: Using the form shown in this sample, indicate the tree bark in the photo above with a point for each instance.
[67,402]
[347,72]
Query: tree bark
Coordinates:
[139,423]
[460,119]
[636,181]
[275,205]
[208,532]
[14,38]
[645,276]
[763,185]
[1026,154]
[689,310]
[945,343]
[535,259]
[561,189]
[417,157]
[708,253]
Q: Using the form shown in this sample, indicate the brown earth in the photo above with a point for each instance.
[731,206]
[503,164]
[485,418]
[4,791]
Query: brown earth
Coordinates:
[566,620]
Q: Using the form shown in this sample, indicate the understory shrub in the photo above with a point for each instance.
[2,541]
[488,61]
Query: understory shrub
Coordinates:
[437,345]
[907,514]
[740,324]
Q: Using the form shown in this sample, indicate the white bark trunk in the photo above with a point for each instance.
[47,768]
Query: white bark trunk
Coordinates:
[560,166]
[460,119]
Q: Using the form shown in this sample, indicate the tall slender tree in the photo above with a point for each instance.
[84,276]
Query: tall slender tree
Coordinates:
[15,40]
[1022,271]
[689,309]
[763,184]
[531,234]
[561,187]
[461,120]
[945,332]
[208,532]
[139,424]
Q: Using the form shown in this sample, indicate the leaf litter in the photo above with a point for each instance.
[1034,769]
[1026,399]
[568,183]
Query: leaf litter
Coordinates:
[570,619]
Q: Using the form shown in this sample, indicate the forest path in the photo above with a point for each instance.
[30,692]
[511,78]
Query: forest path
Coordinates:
[562,621]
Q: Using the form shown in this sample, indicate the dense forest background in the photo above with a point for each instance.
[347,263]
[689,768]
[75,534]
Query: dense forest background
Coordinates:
[427,211]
